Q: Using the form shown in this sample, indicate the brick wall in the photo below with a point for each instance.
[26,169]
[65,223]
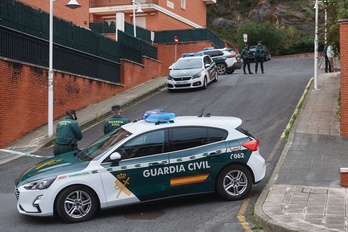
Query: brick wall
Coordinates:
[24,93]
[80,15]
[344,76]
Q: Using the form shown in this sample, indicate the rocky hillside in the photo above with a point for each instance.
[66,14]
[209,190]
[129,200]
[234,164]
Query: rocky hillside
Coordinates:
[227,15]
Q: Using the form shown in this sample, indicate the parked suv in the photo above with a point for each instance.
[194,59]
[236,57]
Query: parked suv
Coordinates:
[226,61]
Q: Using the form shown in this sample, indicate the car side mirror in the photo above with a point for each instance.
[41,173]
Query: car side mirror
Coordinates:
[115,156]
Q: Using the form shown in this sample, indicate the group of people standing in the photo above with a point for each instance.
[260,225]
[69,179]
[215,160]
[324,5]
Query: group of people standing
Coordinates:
[68,131]
[329,54]
[259,57]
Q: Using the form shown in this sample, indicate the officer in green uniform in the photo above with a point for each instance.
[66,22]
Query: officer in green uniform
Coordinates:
[67,134]
[115,121]
[246,61]
[259,56]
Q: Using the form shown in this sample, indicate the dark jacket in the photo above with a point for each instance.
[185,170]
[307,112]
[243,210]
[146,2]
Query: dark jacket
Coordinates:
[245,53]
[260,51]
[68,131]
[114,122]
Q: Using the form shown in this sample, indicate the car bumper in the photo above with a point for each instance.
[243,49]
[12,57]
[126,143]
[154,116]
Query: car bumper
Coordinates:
[194,83]
[35,202]
[258,166]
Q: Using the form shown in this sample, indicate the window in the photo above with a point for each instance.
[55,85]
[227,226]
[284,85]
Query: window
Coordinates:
[188,137]
[183,4]
[146,144]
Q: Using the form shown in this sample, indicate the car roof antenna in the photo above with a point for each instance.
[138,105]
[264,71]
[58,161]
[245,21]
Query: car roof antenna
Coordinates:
[201,112]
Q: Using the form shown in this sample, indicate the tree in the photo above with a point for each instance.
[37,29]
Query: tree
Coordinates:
[267,32]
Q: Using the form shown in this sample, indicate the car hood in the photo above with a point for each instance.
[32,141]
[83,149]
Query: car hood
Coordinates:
[185,72]
[57,165]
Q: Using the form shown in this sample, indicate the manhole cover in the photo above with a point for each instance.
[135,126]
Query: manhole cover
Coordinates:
[144,215]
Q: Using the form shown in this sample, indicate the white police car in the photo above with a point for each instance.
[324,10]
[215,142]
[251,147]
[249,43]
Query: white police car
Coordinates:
[192,70]
[158,157]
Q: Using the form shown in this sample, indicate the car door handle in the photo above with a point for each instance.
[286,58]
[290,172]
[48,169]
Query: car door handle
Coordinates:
[157,163]
[215,153]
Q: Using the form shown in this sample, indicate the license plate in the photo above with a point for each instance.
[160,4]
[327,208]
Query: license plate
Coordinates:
[181,82]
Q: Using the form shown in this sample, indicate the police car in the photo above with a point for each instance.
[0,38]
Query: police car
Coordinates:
[157,157]
[192,70]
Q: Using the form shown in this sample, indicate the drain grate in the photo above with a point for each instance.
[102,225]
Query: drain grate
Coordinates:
[152,214]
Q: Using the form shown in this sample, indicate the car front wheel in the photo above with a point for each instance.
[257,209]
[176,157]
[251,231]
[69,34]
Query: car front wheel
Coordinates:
[205,83]
[234,182]
[76,204]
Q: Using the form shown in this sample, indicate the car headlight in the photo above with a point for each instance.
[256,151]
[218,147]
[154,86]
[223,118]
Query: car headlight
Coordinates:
[169,77]
[39,184]
[197,75]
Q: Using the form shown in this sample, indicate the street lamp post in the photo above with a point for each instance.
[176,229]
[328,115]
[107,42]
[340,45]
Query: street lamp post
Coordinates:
[134,20]
[73,5]
[316,47]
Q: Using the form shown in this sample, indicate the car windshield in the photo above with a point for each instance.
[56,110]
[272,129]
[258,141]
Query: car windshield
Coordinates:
[188,64]
[103,144]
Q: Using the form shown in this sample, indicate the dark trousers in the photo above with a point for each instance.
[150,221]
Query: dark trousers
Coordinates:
[257,61]
[246,62]
[327,64]
[63,148]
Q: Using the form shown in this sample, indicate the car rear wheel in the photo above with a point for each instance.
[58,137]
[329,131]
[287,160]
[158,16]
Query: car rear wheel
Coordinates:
[76,204]
[234,182]
[221,68]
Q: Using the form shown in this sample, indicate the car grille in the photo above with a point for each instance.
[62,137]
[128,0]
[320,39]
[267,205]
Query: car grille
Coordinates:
[182,78]
[17,193]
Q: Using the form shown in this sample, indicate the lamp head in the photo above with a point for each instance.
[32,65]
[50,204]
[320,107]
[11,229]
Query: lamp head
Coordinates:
[73,4]
[140,10]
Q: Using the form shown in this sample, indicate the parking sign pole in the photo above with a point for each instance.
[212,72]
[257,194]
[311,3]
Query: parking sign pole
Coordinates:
[176,41]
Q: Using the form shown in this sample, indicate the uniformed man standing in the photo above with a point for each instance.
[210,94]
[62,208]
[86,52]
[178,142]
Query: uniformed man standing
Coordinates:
[115,121]
[67,134]
[246,61]
[259,56]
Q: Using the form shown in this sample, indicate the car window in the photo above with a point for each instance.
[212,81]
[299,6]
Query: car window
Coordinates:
[187,63]
[146,144]
[103,144]
[214,53]
[188,137]
[207,60]
[216,135]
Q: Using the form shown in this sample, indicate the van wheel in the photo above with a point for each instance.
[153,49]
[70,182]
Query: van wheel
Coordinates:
[234,182]
[76,203]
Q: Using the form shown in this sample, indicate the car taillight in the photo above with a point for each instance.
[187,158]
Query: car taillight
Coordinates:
[252,145]
[232,55]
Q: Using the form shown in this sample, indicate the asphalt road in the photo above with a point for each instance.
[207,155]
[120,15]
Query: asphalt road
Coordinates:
[265,103]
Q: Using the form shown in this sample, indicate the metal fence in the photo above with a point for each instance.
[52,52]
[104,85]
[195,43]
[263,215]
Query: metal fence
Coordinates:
[188,35]
[23,47]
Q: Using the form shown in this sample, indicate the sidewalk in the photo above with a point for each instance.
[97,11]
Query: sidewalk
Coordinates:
[304,192]
[86,117]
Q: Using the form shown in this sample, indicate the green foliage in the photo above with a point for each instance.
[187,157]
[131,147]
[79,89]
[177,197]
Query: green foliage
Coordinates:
[336,9]
[302,45]
[282,41]
[267,32]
